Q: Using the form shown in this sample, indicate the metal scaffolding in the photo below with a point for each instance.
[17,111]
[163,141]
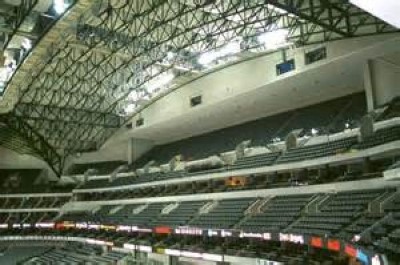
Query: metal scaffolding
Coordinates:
[74,101]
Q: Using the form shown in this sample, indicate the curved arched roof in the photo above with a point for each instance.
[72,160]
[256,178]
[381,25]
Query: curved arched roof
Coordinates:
[103,59]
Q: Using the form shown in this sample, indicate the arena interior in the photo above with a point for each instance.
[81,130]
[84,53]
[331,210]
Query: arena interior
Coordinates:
[209,132]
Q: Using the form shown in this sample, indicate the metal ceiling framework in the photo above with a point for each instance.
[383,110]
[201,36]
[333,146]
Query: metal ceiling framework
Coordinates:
[75,99]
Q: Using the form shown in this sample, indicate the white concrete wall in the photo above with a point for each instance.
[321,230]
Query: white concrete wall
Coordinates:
[115,151]
[382,82]
[243,77]
[189,261]
[250,89]
[10,159]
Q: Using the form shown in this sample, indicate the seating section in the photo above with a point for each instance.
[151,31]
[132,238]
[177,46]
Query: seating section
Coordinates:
[181,215]
[380,137]
[148,177]
[46,206]
[361,225]
[76,254]
[302,153]
[225,214]
[318,150]
[134,214]
[342,215]
[29,217]
[386,233]
[339,211]
[33,202]
[266,159]
[277,213]
[331,115]
[11,255]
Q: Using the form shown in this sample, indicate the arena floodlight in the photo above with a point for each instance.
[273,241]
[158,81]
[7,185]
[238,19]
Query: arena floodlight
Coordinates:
[208,57]
[27,44]
[59,6]
[274,39]
[226,50]
[130,108]
[160,81]
[230,48]
[386,10]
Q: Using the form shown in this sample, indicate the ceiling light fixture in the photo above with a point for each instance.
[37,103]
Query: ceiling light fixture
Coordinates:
[159,82]
[226,50]
[60,6]
[274,39]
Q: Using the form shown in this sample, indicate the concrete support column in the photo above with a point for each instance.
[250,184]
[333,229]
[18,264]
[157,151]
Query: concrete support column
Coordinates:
[130,151]
[368,86]
[137,147]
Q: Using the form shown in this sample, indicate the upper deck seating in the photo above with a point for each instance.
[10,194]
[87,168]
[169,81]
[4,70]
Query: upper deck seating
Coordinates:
[318,150]
[181,215]
[75,254]
[339,211]
[127,215]
[266,159]
[33,202]
[381,136]
[277,213]
[225,214]
[331,115]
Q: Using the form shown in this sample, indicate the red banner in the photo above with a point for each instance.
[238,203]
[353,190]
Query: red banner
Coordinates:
[350,250]
[162,230]
[334,244]
[317,242]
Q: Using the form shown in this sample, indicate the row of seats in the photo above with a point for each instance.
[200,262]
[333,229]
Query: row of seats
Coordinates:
[318,150]
[386,232]
[33,202]
[380,137]
[266,159]
[302,153]
[252,182]
[333,114]
[338,214]
[225,214]
[76,254]
[277,213]
[27,217]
